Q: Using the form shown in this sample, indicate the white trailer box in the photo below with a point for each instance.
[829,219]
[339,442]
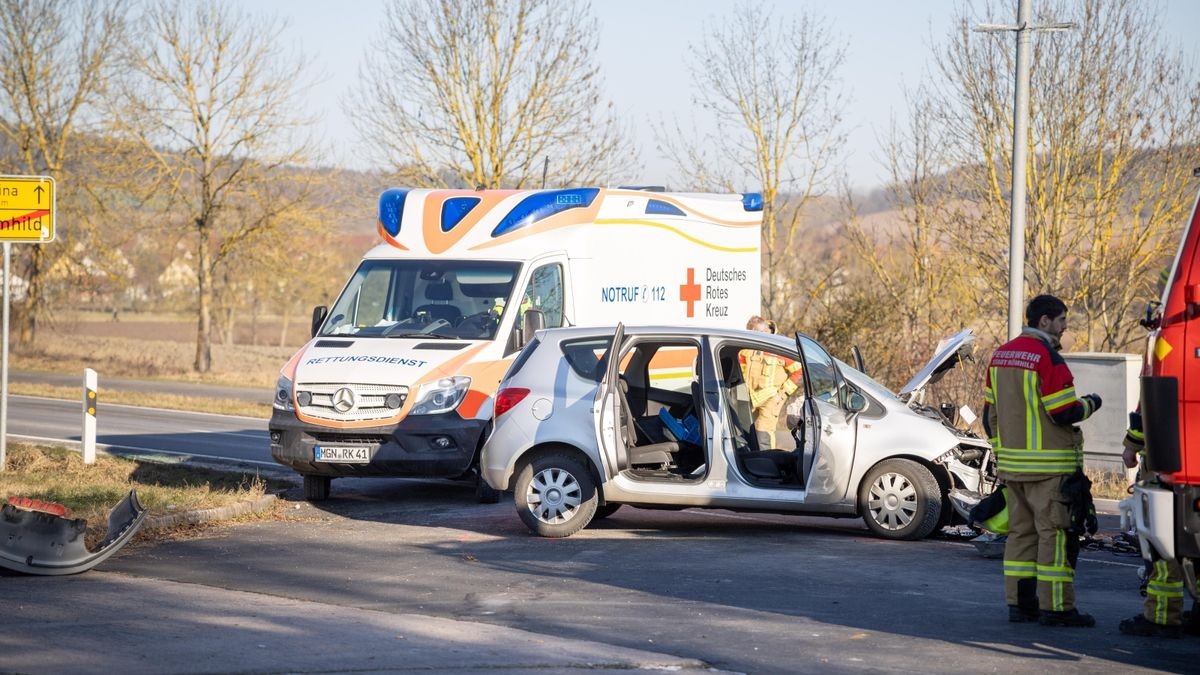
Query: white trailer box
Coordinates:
[399,376]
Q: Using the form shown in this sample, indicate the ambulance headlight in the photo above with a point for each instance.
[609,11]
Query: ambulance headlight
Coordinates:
[283,395]
[441,396]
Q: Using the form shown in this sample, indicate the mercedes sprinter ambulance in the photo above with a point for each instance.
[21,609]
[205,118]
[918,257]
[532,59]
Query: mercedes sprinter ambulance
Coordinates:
[399,376]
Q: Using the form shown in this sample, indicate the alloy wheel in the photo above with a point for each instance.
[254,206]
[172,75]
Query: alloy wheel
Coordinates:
[554,496]
[892,501]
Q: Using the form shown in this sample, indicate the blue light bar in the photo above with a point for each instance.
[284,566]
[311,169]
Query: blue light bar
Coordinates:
[658,207]
[455,209]
[752,201]
[543,205]
[391,208]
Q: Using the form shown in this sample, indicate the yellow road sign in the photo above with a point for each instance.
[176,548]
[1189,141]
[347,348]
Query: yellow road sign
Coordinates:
[26,209]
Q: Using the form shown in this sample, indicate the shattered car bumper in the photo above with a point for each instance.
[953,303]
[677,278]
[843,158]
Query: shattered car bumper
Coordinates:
[39,542]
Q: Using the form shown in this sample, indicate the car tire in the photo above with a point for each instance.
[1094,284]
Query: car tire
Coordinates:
[605,511]
[486,494]
[316,488]
[555,495]
[900,499]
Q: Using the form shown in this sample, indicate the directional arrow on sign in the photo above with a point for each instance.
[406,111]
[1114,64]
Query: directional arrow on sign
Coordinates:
[39,190]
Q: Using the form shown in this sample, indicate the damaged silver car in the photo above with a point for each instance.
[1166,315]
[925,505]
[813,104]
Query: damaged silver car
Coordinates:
[590,419]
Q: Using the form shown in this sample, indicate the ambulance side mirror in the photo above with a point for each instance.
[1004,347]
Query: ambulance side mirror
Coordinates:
[533,321]
[318,318]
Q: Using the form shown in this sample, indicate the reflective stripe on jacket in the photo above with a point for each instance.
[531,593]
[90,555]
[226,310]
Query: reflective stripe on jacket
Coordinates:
[1030,408]
[768,375]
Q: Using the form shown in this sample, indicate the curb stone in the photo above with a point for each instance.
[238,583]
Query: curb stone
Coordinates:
[209,515]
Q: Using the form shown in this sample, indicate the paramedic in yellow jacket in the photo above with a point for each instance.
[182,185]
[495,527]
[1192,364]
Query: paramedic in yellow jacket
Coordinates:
[771,379]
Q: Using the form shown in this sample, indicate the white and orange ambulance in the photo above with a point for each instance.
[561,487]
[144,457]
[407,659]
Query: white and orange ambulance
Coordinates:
[399,376]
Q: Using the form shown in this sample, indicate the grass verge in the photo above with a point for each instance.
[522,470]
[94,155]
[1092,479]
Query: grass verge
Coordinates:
[58,474]
[1108,484]
[218,406]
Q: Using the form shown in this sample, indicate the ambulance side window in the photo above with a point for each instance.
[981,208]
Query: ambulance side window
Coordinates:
[546,293]
[371,306]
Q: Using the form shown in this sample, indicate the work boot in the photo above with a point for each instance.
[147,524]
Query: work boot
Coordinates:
[1070,619]
[1021,615]
[1140,626]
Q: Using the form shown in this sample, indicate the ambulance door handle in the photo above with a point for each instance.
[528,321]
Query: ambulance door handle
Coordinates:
[828,429]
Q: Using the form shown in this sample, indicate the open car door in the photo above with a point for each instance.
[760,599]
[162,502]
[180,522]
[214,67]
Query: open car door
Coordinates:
[609,409]
[830,430]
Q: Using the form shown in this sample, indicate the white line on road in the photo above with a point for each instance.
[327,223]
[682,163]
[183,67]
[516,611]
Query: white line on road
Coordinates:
[134,448]
[141,407]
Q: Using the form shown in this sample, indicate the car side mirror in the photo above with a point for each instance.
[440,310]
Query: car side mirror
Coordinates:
[533,321]
[856,402]
[318,318]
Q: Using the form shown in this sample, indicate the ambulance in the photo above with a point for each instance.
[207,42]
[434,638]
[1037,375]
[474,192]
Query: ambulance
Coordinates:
[399,376]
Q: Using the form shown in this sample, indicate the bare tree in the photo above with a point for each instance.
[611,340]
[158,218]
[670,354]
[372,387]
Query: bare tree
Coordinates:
[484,93]
[211,97]
[770,90]
[1115,116]
[55,60]
[920,285]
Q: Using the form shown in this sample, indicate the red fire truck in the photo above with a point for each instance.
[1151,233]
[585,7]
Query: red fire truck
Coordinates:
[1168,516]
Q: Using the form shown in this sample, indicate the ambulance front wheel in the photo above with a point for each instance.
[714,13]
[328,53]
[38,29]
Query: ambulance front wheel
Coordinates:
[316,488]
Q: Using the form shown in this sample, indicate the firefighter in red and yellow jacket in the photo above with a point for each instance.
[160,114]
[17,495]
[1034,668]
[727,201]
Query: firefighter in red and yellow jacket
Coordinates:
[1030,412]
[771,379]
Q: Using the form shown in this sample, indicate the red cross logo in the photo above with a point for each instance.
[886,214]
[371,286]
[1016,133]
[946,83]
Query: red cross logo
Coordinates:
[690,292]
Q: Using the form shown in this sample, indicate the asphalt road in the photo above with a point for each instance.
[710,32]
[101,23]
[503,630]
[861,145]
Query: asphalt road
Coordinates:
[142,431]
[249,395]
[748,593]
[333,586]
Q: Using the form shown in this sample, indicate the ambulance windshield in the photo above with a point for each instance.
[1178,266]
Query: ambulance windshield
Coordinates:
[451,299]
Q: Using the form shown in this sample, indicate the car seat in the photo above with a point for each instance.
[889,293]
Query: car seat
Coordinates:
[652,454]
[442,293]
[758,463]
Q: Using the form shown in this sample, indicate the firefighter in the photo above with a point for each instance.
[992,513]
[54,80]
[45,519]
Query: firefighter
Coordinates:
[771,379]
[1030,411]
[1162,612]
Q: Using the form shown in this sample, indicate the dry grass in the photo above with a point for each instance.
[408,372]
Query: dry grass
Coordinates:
[59,475]
[234,365]
[1108,484]
[217,406]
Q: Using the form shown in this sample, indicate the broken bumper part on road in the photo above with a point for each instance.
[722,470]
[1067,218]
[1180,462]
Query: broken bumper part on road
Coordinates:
[41,542]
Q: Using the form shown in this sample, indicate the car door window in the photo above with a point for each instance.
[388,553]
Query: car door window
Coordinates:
[767,400]
[822,373]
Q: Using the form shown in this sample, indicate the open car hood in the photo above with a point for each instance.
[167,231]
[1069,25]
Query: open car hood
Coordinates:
[948,353]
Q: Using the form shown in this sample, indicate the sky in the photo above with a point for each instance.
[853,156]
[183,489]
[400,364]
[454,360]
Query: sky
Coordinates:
[643,58]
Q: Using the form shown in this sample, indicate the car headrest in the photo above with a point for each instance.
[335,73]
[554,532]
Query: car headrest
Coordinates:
[439,291]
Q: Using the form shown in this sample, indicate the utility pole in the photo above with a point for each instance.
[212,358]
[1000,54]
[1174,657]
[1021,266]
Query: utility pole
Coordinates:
[1016,229]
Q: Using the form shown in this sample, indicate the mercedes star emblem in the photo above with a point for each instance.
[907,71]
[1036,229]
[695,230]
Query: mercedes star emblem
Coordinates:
[343,400]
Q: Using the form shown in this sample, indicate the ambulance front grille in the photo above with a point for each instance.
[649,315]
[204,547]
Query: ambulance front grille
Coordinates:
[369,401]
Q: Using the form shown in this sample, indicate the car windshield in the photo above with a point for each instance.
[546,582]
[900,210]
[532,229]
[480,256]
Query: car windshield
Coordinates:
[447,299]
[864,381]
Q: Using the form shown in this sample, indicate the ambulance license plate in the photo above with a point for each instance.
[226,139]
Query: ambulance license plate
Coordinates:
[359,455]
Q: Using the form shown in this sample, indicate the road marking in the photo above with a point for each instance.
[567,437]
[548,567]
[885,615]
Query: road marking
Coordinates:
[106,447]
[142,407]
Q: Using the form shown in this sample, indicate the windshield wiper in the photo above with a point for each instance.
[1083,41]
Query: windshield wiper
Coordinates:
[420,335]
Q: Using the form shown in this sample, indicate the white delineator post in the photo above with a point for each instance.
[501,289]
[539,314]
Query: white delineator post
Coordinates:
[89,416]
